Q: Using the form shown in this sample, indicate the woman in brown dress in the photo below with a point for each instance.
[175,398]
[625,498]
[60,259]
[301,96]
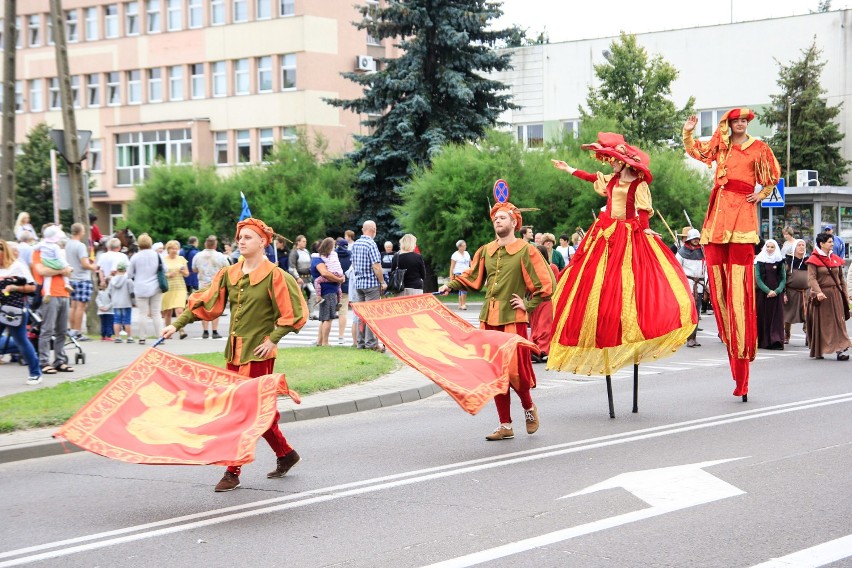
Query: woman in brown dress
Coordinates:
[797,287]
[770,277]
[828,304]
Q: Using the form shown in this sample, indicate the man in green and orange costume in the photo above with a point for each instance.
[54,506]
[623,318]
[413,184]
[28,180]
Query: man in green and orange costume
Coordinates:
[730,229]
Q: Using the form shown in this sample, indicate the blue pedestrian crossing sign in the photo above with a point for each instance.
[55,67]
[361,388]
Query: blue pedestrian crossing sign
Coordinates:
[776,199]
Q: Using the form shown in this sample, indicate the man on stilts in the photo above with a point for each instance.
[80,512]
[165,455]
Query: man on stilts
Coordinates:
[730,230]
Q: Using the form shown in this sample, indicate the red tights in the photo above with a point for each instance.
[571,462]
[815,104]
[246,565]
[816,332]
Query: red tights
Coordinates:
[273,436]
[526,375]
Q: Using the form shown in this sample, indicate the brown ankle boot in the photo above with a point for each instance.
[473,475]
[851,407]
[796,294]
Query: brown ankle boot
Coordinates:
[284,464]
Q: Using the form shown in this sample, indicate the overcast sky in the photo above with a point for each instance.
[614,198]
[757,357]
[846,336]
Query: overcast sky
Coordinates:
[566,20]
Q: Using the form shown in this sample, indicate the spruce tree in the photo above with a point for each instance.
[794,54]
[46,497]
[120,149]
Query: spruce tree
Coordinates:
[433,94]
[633,92]
[813,133]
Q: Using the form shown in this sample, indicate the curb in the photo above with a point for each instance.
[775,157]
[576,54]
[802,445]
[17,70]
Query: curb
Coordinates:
[47,447]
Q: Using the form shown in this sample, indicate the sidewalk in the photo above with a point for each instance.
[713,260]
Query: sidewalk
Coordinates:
[401,386]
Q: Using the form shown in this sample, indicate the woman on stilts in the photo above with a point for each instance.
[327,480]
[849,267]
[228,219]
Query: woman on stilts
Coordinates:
[624,297]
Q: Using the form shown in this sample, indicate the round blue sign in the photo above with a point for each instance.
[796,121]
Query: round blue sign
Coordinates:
[501,191]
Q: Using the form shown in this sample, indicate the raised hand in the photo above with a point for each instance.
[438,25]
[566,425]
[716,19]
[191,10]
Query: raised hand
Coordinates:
[690,123]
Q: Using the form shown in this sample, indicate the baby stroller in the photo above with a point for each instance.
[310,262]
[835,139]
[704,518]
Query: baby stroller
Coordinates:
[34,332]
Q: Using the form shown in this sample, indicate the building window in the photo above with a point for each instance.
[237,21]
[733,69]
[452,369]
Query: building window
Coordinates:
[19,96]
[572,128]
[136,152]
[217,12]
[175,15]
[240,11]
[241,77]
[220,79]
[176,83]
[93,90]
[265,143]
[49,31]
[262,9]
[113,87]
[531,135]
[243,146]
[92,24]
[111,20]
[155,85]
[706,123]
[286,7]
[264,74]
[288,71]
[75,90]
[196,71]
[372,8]
[221,148]
[153,15]
[289,134]
[134,87]
[36,100]
[71,28]
[131,18]
[53,91]
[95,155]
[196,13]
[34,30]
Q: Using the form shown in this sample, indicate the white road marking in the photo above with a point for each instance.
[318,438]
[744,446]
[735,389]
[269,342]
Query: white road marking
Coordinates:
[188,522]
[813,557]
[666,489]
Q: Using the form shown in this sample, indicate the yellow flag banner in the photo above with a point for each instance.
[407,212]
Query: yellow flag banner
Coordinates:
[164,409]
[472,365]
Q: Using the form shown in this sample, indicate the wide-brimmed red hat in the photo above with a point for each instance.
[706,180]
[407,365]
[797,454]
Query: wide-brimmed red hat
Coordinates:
[611,146]
[742,112]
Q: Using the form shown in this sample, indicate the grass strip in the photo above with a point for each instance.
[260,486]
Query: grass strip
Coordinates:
[308,370]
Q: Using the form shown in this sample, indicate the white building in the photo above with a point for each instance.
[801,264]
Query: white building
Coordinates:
[722,66]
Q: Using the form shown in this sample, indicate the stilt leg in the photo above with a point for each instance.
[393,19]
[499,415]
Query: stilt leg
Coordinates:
[609,396]
[636,387]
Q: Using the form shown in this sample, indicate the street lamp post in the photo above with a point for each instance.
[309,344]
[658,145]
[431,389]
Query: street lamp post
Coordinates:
[789,105]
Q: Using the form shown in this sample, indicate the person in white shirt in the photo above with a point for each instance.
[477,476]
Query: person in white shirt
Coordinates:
[109,261]
[691,258]
[459,262]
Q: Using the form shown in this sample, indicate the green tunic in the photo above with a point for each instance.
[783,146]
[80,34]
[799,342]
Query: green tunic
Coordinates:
[517,268]
[265,304]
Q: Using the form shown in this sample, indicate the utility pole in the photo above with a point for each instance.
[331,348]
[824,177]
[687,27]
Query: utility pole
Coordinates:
[7,164]
[72,150]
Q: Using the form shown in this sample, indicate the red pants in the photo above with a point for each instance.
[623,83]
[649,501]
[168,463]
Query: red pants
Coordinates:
[730,270]
[525,373]
[273,436]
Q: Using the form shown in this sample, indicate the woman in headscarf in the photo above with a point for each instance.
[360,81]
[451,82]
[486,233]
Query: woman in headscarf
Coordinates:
[623,298]
[797,287]
[770,275]
[266,304]
[828,303]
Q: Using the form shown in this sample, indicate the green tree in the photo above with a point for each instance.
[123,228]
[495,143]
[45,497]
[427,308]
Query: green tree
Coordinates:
[34,190]
[432,95]
[813,133]
[465,174]
[298,190]
[634,91]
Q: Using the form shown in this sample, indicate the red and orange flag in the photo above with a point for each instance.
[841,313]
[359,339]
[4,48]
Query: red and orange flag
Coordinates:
[472,365]
[164,409]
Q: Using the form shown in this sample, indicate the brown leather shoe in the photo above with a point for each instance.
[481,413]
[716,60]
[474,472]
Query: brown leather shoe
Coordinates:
[501,433]
[229,482]
[531,416]
[284,464]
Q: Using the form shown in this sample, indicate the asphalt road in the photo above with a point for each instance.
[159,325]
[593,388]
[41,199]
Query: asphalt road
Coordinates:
[696,478]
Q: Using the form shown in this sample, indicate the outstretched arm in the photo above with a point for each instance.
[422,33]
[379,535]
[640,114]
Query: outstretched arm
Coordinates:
[560,165]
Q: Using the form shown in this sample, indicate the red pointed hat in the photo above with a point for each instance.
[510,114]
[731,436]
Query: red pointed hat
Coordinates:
[611,146]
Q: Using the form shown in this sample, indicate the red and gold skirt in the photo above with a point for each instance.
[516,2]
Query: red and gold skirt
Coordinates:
[624,299]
